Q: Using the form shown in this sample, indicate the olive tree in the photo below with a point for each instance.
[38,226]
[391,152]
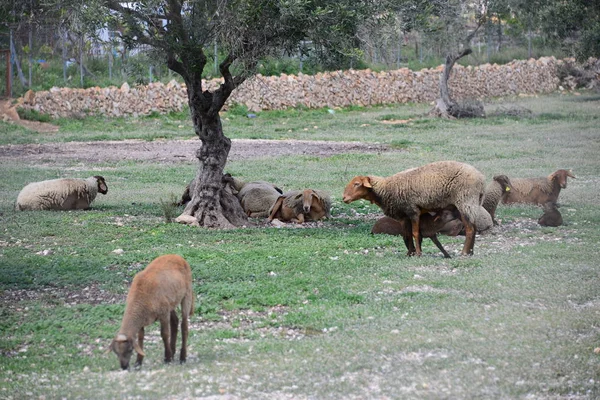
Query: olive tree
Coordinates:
[183,32]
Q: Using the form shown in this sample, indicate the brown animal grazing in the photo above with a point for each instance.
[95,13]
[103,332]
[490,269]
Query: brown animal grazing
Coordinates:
[497,190]
[413,192]
[551,216]
[154,294]
[429,225]
[538,190]
[300,205]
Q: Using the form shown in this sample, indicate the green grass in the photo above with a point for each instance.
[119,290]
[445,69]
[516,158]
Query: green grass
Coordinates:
[328,312]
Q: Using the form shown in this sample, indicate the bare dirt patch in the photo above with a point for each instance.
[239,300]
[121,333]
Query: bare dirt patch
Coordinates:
[176,151]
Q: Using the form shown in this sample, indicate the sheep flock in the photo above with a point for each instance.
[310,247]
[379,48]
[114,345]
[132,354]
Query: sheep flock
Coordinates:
[440,198]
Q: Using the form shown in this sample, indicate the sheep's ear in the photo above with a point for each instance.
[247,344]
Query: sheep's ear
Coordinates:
[366,182]
[138,349]
[570,174]
[298,196]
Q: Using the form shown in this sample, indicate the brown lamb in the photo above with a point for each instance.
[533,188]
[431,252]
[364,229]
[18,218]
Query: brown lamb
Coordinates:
[429,225]
[154,294]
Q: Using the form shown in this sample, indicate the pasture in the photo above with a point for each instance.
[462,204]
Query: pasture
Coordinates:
[321,311]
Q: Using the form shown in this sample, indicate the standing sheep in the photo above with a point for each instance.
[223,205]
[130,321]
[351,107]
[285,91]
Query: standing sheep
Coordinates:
[429,225]
[497,190]
[300,205]
[413,192]
[154,294]
[538,190]
[61,194]
[551,215]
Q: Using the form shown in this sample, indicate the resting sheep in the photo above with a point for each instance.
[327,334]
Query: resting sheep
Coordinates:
[300,205]
[413,192]
[257,197]
[154,294]
[538,190]
[429,225]
[61,194]
[497,190]
[551,215]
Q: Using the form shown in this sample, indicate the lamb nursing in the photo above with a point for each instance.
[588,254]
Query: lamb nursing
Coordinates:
[409,194]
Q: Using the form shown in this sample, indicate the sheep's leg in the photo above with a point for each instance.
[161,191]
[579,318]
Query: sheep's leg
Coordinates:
[276,208]
[165,333]
[174,326]
[140,339]
[184,336]
[410,246]
[416,233]
[470,230]
[435,240]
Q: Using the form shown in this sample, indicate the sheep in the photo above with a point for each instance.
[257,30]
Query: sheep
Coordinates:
[154,294]
[538,191]
[551,215]
[429,225]
[257,197]
[300,205]
[61,194]
[494,192]
[413,192]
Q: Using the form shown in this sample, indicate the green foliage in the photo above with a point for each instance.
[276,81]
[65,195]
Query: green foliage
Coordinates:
[33,115]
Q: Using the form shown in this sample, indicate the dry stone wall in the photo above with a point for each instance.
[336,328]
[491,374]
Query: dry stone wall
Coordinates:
[330,89]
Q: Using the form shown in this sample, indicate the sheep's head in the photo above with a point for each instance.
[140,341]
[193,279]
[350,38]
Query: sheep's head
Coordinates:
[560,177]
[504,182]
[123,347]
[308,196]
[360,187]
[102,188]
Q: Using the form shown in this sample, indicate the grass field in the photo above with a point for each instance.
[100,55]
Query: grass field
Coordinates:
[323,312]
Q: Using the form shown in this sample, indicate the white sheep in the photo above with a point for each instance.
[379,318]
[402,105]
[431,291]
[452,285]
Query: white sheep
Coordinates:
[154,294]
[257,197]
[495,191]
[432,187]
[538,191]
[61,194]
[301,205]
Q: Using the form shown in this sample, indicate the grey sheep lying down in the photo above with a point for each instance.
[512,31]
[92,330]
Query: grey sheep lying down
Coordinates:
[61,194]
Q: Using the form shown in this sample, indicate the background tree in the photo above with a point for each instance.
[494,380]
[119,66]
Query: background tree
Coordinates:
[183,32]
[452,24]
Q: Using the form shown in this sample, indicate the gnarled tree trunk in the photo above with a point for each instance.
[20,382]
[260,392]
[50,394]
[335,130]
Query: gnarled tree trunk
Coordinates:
[212,204]
[445,106]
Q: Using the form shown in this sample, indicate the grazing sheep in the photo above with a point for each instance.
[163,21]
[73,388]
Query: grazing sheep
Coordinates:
[413,192]
[258,197]
[494,192]
[154,294]
[551,215]
[61,194]
[538,190]
[429,225]
[300,205]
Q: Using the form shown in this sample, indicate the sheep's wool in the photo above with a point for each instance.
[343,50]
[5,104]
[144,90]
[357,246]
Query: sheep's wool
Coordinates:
[58,194]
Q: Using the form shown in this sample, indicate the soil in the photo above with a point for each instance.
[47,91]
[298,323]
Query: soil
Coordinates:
[175,151]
